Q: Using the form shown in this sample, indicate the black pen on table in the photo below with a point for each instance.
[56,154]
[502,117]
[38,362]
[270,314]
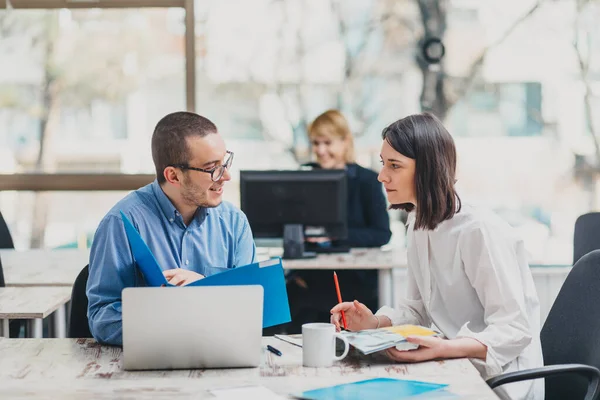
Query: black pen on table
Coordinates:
[273,350]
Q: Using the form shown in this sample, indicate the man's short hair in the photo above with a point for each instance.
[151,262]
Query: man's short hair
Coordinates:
[424,138]
[169,140]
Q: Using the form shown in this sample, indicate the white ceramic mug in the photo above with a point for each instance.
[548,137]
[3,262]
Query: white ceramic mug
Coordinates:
[318,345]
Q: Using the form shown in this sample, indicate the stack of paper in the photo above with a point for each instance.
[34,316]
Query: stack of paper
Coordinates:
[374,340]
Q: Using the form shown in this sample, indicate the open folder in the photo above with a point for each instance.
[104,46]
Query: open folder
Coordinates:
[268,274]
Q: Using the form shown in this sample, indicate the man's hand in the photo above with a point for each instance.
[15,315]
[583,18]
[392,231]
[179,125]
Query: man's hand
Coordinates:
[180,276]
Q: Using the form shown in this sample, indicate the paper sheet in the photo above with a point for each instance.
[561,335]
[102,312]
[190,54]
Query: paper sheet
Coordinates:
[296,340]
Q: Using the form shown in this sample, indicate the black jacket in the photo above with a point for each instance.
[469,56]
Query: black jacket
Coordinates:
[368,219]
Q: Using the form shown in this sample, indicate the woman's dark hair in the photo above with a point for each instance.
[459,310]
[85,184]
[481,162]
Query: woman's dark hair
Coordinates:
[423,138]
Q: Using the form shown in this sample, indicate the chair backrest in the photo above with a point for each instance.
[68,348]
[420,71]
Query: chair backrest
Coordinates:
[78,326]
[15,324]
[6,241]
[586,237]
[571,331]
[2,282]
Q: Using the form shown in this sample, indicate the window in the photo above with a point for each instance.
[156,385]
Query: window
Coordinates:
[500,109]
[81,89]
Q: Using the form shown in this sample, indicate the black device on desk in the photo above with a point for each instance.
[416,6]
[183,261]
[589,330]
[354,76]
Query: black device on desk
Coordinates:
[327,248]
[295,205]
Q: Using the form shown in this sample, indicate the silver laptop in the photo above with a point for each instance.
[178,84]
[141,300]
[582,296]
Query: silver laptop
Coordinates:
[192,327]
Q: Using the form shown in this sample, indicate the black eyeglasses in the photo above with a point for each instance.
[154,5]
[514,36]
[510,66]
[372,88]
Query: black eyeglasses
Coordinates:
[216,173]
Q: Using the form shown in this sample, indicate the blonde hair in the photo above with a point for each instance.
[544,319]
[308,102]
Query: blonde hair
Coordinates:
[333,124]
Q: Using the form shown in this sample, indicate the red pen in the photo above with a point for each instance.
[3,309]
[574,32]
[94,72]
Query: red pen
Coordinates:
[339,296]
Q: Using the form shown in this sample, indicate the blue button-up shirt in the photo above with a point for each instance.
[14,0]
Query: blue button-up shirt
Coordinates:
[216,239]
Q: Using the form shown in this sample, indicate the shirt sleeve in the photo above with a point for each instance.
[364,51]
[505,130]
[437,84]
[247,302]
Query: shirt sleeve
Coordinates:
[111,270]
[245,252]
[411,310]
[377,232]
[492,268]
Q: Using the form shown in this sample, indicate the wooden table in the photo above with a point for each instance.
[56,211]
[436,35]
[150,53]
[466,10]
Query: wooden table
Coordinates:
[43,267]
[34,303]
[83,369]
[384,261]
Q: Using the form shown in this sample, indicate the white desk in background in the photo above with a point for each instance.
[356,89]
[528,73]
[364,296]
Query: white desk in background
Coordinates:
[384,261]
[61,267]
[83,369]
[45,268]
[34,303]
[41,267]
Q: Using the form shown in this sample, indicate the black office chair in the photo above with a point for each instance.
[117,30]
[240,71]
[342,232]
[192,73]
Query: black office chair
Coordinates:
[570,338]
[2,281]
[587,235]
[6,241]
[15,324]
[79,327]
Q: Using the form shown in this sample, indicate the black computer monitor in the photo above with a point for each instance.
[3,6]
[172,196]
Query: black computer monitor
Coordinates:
[292,204]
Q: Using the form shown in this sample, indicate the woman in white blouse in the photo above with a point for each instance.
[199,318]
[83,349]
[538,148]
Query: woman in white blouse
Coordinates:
[467,271]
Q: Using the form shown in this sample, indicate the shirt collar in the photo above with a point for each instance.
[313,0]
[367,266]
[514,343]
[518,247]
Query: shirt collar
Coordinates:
[412,216]
[165,204]
[169,209]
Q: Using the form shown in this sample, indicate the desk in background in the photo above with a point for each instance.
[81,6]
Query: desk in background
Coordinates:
[43,267]
[61,267]
[83,369]
[34,304]
[384,261]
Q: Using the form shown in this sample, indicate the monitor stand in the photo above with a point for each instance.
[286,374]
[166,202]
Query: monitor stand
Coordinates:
[293,243]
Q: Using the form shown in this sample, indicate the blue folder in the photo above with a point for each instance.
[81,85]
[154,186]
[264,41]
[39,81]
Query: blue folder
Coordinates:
[378,388]
[269,274]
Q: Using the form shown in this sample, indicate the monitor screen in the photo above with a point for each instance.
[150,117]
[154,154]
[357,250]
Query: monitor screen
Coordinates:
[316,199]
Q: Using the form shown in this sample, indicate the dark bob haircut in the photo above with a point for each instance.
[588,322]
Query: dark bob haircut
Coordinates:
[169,140]
[423,138]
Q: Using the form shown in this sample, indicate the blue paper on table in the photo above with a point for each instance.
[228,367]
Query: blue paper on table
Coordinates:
[378,388]
[269,274]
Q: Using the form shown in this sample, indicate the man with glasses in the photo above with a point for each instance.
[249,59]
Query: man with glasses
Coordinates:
[181,216]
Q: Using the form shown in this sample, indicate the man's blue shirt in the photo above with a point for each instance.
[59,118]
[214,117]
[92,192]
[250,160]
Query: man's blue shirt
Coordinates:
[216,239]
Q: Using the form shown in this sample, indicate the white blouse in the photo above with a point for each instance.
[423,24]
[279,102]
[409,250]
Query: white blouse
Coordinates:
[470,278]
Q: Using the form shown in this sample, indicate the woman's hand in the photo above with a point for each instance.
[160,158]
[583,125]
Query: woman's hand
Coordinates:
[431,348]
[358,316]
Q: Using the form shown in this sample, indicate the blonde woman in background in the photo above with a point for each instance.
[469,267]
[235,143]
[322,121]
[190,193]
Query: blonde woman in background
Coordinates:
[311,293]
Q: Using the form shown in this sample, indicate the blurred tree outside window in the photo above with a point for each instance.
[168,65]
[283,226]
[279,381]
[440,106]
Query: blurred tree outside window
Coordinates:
[517,88]
[81,90]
